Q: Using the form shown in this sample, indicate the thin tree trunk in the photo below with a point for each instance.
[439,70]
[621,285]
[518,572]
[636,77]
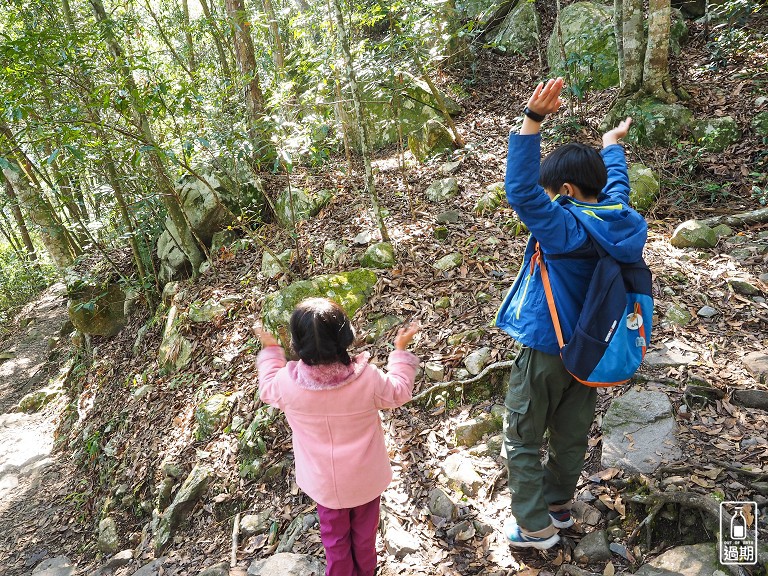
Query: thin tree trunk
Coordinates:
[278,54]
[189,244]
[246,59]
[19,218]
[365,147]
[167,42]
[656,81]
[10,236]
[340,99]
[216,34]
[633,46]
[188,35]
[40,212]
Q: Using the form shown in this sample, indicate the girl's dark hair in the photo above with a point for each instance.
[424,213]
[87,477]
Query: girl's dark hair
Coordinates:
[577,164]
[321,332]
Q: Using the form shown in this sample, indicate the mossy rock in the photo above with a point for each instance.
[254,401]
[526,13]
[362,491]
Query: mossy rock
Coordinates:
[493,197]
[653,122]
[37,400]
[588,42]
[433,139]
[379,255]
[716,134]
[175,351]
[519,33]
[644,187]
[693,234]
[211,414]
[760,124]
[306,204]
[97,309]
[348,289]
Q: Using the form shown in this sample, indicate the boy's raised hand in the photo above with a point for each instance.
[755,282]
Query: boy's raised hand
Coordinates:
[405,335]
[613,136]
[546,97]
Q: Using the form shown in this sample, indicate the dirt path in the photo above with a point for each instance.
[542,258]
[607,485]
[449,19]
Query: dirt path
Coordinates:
[27,470]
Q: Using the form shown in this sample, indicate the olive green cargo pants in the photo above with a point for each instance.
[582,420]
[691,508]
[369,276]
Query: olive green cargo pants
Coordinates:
[543,397]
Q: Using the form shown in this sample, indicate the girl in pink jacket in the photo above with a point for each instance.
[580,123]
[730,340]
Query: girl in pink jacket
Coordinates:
[331,402]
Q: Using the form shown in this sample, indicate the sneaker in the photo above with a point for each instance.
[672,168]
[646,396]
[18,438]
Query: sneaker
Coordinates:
[520,540]
[561,518]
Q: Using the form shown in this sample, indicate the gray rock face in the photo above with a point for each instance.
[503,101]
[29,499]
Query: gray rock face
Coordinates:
[695,560]
[306,203]
[669,355]
[593,548]
[470,432]
[251,524]
[461,474]
[191,490]
[587,29]
[287,563]
[751,398]
[639,432]
[433,139]
[757,365]
[379,255]
[98,310]
[441,190]
[441,505]
[151,569]
[693,234]
[175,350]
[520,30]
[644,187]
[398,541]
[478,360]
[58,566]
[716,134]
[220,569]
[108,540]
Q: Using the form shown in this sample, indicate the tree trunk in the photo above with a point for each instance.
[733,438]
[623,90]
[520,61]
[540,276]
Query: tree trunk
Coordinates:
[656,80]
[189,244]
[365,148]
[631,45]
[188,36]
[278,54]
[246,59]
[40,212]
[19,218]
[216,34]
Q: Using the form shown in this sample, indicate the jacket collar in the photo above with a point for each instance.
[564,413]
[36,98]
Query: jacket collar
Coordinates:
[330,376]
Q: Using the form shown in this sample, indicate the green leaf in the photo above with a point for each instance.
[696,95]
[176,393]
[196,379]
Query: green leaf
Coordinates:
[52,158]
[5,165]
[75,152]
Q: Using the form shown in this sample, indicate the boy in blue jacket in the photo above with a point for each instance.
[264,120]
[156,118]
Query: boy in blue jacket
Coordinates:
[574,197]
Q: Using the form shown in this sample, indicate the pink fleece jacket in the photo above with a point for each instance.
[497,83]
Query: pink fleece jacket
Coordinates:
[338,441]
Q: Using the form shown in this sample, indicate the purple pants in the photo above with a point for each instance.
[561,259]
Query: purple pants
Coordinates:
[349,539]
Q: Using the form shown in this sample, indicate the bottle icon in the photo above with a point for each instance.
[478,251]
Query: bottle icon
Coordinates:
[738,526]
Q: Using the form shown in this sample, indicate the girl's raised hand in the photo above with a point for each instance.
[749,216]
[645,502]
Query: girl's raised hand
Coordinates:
[405,335]
[265,337]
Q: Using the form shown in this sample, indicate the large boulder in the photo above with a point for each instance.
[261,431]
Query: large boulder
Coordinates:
[212,199]
[349,289]
[644,187]
[96,308]
[306,204]
[519,32]
[390,99]
[175,350]
[589,44]
[716,134]
[164,523]
[653,122]
[434,138]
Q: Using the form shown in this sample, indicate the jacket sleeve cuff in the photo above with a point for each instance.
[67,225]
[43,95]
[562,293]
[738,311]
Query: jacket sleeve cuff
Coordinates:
[403,357]
[274,352]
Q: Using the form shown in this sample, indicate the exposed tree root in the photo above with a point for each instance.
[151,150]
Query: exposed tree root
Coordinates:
[461,383]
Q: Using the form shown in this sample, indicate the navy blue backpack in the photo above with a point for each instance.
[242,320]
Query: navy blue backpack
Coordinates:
[614,327]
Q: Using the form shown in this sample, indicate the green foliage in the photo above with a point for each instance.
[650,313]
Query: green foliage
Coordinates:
[21,279]
[730,39]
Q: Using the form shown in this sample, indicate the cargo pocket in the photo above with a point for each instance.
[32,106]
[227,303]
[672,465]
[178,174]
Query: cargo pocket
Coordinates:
[518,397]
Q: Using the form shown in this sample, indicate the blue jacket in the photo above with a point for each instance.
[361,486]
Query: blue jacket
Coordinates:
[563,226]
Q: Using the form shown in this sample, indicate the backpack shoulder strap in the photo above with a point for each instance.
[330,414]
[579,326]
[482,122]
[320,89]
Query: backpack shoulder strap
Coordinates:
[538,259]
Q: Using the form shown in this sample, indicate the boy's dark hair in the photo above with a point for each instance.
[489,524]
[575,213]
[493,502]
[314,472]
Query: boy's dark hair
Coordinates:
[321,332]
[576,164]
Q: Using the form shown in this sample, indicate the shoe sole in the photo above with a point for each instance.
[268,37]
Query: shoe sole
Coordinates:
[538,544]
